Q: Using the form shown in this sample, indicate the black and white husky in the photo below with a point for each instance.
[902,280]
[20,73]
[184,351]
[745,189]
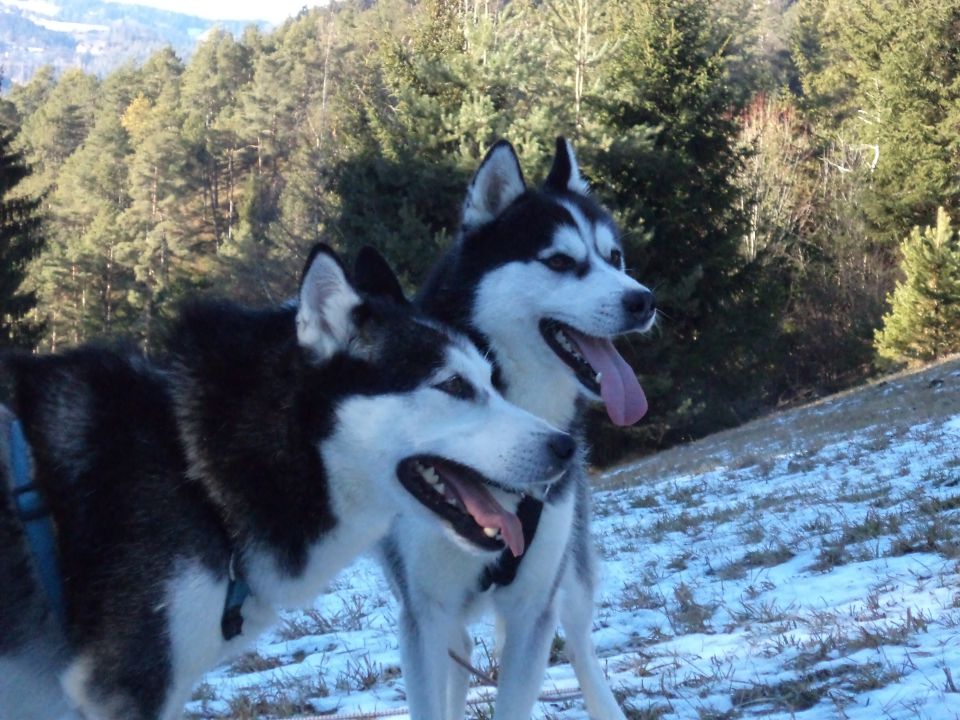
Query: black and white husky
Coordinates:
[537,278]
[268,451]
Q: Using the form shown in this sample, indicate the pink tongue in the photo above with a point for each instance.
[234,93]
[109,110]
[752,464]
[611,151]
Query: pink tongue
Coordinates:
[619,388]
[484,508]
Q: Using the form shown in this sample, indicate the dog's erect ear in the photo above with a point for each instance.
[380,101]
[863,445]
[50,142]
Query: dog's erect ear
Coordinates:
[497,183]
[327,301]
[372,275]
[565,173]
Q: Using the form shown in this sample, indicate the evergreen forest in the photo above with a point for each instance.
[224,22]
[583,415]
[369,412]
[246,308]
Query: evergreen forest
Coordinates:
[786,176]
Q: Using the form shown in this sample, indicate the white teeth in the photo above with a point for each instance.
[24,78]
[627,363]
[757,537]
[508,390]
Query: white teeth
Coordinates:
[567,345]
[490,532]
[599,377]
[430,475]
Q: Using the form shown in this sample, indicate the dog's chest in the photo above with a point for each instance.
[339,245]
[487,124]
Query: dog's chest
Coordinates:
[542,560]
[541,390]
[195,608]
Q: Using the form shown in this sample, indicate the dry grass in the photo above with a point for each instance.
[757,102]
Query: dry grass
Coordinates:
[279,699]
[787,499]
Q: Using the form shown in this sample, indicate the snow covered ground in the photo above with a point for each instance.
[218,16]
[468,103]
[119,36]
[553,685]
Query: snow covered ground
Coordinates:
[805,566]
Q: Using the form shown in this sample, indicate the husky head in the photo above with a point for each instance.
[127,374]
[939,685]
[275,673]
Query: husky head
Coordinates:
[416,404]
[539,275]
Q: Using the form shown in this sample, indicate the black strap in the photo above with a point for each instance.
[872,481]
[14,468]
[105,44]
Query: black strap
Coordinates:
[504,569]
[231,622]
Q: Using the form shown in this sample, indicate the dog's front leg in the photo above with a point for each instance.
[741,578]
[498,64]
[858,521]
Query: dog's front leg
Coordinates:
[576,617]
[424,654]
[459,682]
[526,649]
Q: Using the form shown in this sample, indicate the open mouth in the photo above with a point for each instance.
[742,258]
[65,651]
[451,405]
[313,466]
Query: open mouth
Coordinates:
[599,368]
[460,496]
[559,338]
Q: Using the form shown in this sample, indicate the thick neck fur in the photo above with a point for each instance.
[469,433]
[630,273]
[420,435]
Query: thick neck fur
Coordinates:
[526,383]
[248,420]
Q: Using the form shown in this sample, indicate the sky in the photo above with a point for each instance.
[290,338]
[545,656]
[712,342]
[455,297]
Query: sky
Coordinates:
[275,11]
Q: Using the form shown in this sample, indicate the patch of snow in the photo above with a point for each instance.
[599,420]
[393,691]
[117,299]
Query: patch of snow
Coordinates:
[70,27]
[819,583]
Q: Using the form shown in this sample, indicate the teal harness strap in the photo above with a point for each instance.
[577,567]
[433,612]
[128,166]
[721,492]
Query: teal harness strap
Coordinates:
[37,523]
[231,622]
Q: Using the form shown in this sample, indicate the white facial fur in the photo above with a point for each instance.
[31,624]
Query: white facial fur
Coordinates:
[375,433]
[511,301]
[485,432]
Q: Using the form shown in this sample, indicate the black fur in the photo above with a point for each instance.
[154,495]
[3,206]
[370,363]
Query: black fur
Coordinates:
[259,404]
[559,176]
[373,276]
[124,511]
[214,447]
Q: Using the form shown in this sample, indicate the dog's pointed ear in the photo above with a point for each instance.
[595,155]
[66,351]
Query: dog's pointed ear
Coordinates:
[498,182]
[372,275]
[565,173]
[327,301]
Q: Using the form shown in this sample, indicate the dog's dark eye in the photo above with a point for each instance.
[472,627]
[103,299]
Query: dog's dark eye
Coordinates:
[616,258]
[560,262]
[457,387]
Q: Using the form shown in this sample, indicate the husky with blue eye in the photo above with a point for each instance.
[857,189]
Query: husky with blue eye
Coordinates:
[189,499]
[536,278]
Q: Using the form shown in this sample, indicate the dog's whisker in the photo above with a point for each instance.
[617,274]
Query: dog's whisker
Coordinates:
[541,483]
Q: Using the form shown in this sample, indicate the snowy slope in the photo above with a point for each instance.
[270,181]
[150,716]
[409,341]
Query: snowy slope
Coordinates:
[806,566]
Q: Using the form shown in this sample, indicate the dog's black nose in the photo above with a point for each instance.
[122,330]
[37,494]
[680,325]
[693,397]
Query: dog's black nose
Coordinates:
[562,446]
[640,303]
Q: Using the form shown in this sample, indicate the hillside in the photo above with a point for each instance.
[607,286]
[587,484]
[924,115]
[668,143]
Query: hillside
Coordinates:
[92,35]
[802,566]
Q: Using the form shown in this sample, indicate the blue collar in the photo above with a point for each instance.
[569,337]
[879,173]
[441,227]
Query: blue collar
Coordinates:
[37,523]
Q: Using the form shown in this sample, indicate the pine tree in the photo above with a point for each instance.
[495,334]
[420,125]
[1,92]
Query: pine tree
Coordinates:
[469,74]
[157,248]
[217,73]
[884,75]
[58,127]
[20,241]
[924,319]
[667,159]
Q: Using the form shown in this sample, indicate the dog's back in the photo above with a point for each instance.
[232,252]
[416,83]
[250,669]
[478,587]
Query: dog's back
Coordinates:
[108,464]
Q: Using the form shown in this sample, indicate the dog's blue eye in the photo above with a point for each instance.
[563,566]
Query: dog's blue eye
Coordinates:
[457,387]
[560,262]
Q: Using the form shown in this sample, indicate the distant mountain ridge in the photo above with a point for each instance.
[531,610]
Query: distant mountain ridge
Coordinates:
[93,35]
